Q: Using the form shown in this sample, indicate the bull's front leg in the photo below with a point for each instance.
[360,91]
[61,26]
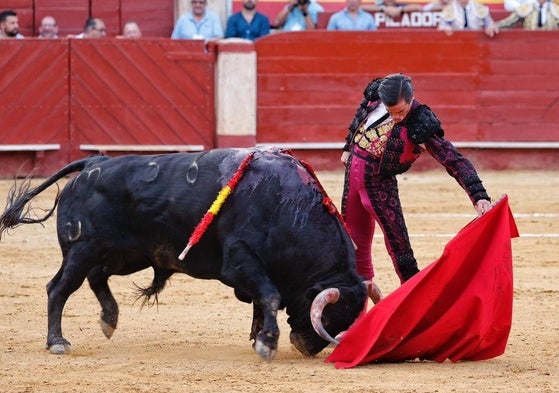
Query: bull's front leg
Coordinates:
[257,321]
[242,268]
[266,342]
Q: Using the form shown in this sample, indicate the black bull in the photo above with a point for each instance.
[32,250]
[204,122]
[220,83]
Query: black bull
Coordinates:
[273,240]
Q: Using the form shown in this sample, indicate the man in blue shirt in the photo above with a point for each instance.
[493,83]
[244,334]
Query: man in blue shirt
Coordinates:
[298,15]
[352,18]
[198,23]
[247,23]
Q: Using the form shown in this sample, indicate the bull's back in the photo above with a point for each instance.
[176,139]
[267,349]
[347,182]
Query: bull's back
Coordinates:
[133,206]
[140,192]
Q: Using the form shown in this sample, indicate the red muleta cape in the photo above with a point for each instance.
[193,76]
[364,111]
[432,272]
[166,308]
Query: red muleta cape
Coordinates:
[458,308]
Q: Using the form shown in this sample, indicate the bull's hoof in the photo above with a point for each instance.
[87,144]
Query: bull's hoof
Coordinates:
[107,329]
[266,344]
[61,347]
[263,351]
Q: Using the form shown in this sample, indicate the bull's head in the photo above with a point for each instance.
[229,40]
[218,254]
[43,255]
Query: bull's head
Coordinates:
[327,322]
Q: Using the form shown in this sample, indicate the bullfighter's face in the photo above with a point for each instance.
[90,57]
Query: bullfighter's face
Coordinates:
[399,111]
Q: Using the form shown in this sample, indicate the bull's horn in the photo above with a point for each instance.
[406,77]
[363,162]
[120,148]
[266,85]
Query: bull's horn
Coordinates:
[327,296]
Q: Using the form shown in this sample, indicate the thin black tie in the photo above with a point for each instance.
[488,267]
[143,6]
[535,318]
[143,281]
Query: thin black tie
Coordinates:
[540,16]
[465,18]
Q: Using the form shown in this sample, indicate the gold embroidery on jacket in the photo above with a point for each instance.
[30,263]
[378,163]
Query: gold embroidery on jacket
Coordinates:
[373,140]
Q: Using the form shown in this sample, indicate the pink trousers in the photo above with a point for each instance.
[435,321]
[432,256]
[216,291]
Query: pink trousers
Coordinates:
[369,200]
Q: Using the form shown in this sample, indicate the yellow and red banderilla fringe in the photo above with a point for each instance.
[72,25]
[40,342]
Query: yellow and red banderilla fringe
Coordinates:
[216,206]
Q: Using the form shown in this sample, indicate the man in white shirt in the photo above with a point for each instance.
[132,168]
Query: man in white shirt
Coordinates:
[48,28]
[9,25]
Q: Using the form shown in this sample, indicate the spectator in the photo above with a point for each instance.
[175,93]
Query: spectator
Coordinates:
[248,23]
[353,17]
[94,28]
[48,28]
[537,15]
[131,30]
[9,25]
[198,24]
[512,5]
[392,8]
[435,6]
[298,15]
[465,15]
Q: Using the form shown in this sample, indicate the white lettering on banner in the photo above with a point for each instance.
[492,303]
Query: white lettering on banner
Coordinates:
[411,19]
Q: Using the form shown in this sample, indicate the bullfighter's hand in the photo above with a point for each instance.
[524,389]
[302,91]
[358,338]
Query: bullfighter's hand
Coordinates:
[483,206]
[345,157]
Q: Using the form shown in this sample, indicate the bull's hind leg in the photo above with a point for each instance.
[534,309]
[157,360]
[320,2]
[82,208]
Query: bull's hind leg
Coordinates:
[66,281]
[244,269]
[98,281]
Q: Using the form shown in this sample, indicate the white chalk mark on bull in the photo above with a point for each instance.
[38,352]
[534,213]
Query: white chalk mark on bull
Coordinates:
[152,172]
[94,171]
[192,173]
[77,233]
[75,180]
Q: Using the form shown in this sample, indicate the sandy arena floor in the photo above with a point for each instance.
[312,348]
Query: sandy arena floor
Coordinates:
[197,338]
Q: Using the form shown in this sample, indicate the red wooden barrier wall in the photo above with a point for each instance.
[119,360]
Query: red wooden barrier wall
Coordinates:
[160,91]
[130,92]
[311,83]
[502,89]
[111,91]
[33,102]
[519,87]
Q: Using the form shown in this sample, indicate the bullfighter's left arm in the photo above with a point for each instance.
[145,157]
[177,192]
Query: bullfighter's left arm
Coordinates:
[457,166]
[425,128]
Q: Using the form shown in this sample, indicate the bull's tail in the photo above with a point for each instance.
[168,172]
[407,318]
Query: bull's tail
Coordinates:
[17,211]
